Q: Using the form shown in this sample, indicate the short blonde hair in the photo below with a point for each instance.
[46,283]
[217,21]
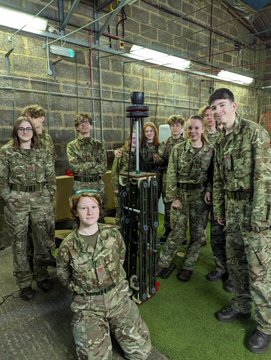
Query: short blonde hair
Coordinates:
[175,118]
[34,111]
[203,110]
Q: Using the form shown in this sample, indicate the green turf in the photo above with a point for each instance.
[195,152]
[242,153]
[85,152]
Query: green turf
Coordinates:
[182,323]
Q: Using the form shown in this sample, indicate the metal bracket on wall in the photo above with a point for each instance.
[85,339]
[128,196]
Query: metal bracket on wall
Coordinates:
[7,60]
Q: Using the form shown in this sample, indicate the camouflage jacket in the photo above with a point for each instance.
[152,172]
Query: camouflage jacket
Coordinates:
[122,165]
[243,163]
[147,162]
[46,143]
[25,167]
[165,149]
[212,137]
[188,165]
[87,157]
[85,270]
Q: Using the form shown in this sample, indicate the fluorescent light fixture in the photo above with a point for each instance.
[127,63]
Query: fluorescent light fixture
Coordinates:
[235,78]
[19,20]
[62,51]
[157,57]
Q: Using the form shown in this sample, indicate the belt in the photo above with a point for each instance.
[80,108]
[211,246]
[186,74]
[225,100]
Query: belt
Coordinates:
[87,178]
[27,188]
[101,291]
[238,195]
[187,187]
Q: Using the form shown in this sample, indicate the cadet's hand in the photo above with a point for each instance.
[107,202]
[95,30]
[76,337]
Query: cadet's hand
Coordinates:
[255,229]
[221,221]
[176,204]
[118,153]
[259,227]
[156,158]
[208,198]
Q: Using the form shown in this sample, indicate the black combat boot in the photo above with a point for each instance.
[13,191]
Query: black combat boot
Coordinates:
[259,342]
[229,314]
[27,293]
[45,285]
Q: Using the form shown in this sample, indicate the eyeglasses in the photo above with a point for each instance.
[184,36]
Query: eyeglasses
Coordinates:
[27,129]
[84,122]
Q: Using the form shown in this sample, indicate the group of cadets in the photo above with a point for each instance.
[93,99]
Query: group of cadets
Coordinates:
[215,166]
[220,170]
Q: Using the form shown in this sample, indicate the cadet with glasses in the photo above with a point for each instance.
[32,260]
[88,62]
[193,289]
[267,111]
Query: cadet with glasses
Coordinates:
[242,200]
[36,113]
[87,157]
[27,185]
[90,263]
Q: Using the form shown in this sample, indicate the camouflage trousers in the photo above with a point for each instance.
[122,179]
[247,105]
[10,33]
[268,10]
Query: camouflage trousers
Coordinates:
[96,317]
[249,263]
[50,230]
[218,244]
[21,211]
[193,213]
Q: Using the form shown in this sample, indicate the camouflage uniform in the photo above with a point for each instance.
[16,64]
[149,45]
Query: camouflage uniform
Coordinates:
[101,302]
[27,184]
[148,164]
[164,151]
[218,239]
[121,165]
[188,178]
[88,161]
[242,196]
[47,144]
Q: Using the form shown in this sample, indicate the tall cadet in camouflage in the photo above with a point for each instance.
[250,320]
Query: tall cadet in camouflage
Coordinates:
[188,183]
[176,123]
[87,157]
[242,199]
[90,264]
[27,185]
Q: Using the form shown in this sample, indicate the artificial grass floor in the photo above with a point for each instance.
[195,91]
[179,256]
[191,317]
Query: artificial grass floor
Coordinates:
[181,318]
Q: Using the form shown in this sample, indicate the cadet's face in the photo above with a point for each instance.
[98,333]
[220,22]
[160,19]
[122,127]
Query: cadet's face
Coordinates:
[209,118]
[84,127]
[38,124]
[195,130]
[149,133]
[224,111]
[88,211]
[25,131]
[176,129]
[133,140]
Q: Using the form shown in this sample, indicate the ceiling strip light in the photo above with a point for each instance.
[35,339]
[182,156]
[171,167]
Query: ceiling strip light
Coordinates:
[158,58]
[235,78]
[19,20]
